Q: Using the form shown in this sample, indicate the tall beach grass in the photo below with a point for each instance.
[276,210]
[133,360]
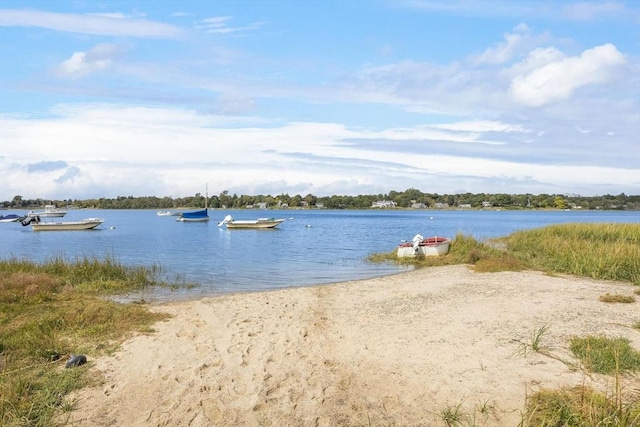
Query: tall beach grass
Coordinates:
[50,310]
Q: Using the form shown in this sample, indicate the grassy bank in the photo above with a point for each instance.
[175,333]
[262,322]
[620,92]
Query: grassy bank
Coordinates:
[53,309]
[598,251]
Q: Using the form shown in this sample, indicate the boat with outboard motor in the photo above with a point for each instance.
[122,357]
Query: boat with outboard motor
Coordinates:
[50,211]
[251,223]
[38,225]
[424,246]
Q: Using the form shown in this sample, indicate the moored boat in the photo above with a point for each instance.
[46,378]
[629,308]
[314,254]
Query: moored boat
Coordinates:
[251,223]
[421,246]
[167,213]
[12,218]
[196,216]
[85,224]
[50,211]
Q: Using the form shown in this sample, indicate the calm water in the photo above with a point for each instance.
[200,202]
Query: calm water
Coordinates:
[311,247]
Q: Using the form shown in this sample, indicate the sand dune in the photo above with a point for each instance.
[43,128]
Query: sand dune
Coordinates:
[396,350]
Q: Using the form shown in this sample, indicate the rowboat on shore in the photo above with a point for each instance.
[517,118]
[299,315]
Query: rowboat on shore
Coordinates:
[421,246]
[259,223]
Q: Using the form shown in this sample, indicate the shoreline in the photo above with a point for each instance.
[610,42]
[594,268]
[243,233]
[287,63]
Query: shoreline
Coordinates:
[397,349]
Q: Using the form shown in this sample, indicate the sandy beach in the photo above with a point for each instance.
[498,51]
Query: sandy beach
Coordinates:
[396,350]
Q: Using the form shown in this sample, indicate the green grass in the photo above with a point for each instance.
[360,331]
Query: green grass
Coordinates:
[599,251]
[579,406]
[606,355]
[50,310]
[582,406]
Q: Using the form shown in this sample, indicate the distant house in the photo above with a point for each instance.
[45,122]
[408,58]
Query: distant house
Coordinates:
[465,206]
[319,205]
[441,205]
[418,206]
[486,204]
[262,205]
[383,204]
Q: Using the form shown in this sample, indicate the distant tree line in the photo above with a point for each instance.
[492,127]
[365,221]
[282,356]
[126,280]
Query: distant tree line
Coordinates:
[410,198]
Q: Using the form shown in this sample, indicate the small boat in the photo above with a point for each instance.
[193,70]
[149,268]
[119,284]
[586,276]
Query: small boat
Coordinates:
[196,216]
[85,224]
[11,218]
[50,211]
[420,246]
[252,223]
[167,213]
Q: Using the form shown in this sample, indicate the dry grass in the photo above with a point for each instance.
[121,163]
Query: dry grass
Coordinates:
[626,299]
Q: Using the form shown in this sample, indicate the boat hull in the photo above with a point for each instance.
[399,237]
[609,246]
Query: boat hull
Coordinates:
[258,223]
[85,224]
[431,246]
[11,218]
[197,216]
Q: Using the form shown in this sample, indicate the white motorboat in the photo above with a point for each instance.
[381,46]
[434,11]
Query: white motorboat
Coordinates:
[50,211]
[85,224]
[251,223]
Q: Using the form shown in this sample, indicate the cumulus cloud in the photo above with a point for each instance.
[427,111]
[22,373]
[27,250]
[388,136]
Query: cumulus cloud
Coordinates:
[81,64]
[559,79]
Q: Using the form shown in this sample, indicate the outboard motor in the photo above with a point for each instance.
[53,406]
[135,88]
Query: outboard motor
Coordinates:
[417,239]
[30,219]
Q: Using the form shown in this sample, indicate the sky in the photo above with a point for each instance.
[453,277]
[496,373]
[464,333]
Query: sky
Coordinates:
[103,98]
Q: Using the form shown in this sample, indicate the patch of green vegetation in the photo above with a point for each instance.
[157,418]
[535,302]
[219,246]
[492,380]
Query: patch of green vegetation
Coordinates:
[579,406]
[599,251]
[50,310]
[606,355]
[463,250]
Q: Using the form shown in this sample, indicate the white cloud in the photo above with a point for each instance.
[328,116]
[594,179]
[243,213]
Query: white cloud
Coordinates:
[503,52]
[164,151]
[106,24]
[558,80]
[83,63]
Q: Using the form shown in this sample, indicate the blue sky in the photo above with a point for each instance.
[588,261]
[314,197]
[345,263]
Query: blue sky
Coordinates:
[160,98]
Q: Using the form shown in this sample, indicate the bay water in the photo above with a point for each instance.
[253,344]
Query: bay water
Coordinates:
[310,247]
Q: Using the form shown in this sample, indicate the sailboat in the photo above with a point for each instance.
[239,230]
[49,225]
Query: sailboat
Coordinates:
[196,216]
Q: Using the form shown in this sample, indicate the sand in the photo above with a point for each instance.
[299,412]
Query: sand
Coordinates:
[398,350]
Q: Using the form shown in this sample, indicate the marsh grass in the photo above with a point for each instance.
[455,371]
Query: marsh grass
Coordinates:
[463,250]
[582,405]
[598,251]
[50,310]
[579,406]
